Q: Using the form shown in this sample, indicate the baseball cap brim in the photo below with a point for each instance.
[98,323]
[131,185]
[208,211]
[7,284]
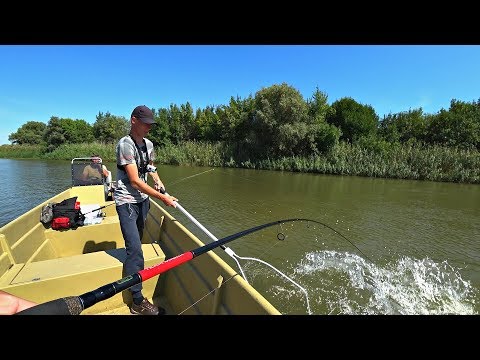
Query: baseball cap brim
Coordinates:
[147,120]
[144,114]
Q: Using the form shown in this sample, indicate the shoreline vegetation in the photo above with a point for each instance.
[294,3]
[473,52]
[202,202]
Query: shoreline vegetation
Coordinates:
[402,161]
[278,129]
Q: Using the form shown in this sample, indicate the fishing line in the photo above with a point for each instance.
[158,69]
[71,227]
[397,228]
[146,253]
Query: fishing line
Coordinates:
[74,305]
[280,236]
[232,254]
[188,177]
[338,233]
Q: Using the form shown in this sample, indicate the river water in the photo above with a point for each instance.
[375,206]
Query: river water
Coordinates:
[370,246]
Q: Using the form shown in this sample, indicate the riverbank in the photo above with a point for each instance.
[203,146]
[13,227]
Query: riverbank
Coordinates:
[397,162]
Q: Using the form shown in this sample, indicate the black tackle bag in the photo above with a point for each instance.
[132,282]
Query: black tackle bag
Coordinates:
[68,208]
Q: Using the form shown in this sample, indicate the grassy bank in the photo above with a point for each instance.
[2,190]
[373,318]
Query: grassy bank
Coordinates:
[399,162]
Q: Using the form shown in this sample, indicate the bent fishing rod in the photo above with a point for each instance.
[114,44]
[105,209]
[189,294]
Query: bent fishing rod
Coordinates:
[234,256]
[100,208]
[74,305]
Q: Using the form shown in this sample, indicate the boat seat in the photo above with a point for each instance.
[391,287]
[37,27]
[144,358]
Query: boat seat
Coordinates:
[85,263]
[106,235]
[58,277]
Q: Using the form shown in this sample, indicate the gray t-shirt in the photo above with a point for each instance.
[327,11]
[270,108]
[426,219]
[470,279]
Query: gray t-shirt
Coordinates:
[127,153]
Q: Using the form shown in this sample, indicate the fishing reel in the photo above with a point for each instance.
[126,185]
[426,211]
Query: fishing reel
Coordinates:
[151,168]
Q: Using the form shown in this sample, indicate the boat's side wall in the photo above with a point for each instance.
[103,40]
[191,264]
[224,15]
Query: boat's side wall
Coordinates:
[206,284]
[22,238]
[26,239]
[41,264]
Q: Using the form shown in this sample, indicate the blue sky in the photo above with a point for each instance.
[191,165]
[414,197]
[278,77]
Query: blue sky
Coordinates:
[79,81]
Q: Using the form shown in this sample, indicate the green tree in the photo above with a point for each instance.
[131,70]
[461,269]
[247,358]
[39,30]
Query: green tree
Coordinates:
[160,132]
[233,119]
[29,133]
[241,113]
[318,107]
[54,134]
[77,131]
[457,127]
[208,123]
[354,120]
[187,119]
[322,136]
[67,131]
[404,127]
[282,123]
[109,128]
[177,128]
[279,121]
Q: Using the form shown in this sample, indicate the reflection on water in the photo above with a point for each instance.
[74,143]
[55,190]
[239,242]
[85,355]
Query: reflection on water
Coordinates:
[419,241]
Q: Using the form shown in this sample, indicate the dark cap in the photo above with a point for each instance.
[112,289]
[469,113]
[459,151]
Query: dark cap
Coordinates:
[144,114]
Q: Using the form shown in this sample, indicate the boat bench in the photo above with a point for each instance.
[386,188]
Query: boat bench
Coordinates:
[61,277]
[81,264]
[60,262]
[40,244]
[85,239]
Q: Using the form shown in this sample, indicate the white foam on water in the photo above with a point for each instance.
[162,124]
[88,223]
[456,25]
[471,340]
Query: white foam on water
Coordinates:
[346,284]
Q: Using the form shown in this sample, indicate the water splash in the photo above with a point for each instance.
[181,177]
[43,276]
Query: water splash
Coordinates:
[350,285]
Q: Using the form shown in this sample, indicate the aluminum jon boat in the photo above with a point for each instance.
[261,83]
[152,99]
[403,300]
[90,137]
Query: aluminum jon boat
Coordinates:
[42,264]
